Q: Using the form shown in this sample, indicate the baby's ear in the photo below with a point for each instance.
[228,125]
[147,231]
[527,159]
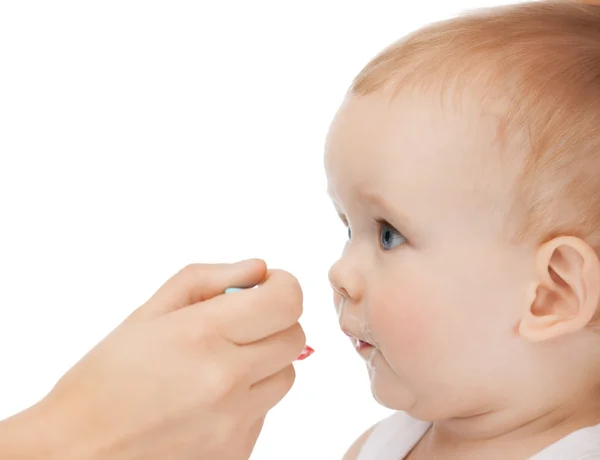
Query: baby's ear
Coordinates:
[567,290]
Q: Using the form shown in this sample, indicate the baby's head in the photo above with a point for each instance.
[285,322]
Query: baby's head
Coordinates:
[465,162]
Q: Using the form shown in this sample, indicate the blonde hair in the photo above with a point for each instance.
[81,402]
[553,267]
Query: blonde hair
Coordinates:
[540,62]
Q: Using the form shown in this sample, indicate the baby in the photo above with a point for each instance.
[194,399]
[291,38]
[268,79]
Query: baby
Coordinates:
[465,163]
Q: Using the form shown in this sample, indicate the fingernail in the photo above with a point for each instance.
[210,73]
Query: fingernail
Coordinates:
[306,352]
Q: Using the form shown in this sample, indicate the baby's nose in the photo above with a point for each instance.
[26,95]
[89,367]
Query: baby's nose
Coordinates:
[344,278]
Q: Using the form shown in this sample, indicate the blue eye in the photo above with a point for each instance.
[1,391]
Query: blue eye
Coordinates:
[389,237]
[349,233]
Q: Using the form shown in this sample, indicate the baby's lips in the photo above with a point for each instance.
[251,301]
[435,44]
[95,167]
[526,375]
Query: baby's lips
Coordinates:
[306,352]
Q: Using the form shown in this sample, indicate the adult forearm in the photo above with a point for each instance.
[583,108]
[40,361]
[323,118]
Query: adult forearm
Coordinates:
[34,434]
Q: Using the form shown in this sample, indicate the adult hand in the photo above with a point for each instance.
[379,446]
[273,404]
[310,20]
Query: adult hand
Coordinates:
[189,375]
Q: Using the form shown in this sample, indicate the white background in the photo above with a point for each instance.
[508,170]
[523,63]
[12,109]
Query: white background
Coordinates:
[137,137]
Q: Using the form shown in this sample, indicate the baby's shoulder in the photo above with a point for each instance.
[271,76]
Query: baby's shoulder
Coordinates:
[354,451]
[380,435]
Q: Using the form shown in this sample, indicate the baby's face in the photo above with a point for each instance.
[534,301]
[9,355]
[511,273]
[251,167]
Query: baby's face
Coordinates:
[428,276]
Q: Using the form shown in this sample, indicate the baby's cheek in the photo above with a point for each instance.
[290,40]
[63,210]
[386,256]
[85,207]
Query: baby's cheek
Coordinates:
[401,322]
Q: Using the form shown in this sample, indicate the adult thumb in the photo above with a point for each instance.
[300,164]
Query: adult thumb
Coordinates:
[199,282]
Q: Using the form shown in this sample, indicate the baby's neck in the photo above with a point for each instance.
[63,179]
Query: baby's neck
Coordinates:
[510,433]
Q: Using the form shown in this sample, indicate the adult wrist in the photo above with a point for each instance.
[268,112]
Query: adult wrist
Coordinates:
[22,437]
[40,433]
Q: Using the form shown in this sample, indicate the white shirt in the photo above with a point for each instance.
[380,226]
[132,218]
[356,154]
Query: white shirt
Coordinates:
[395,436]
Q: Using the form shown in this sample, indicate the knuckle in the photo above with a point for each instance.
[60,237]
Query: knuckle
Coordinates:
[291,292]
[301,338]
[190,271]
[287,380]
[203,330]
[296,299]
[294,288]
[296,310]
[297,337]
[218,383]
[293,309]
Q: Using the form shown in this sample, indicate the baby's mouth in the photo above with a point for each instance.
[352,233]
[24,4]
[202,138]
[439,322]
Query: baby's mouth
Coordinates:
[359,344]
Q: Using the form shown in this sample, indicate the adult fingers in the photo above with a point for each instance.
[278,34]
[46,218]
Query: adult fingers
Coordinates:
[269,356]
[250,315]
[199,282]
[270,391]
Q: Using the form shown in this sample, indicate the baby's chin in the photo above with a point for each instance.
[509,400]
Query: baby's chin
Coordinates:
[392,392]
[401,399]
[388,389]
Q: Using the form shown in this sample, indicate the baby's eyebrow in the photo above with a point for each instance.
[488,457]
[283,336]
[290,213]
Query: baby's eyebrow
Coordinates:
[383,207]
[376,200]
[370,197]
